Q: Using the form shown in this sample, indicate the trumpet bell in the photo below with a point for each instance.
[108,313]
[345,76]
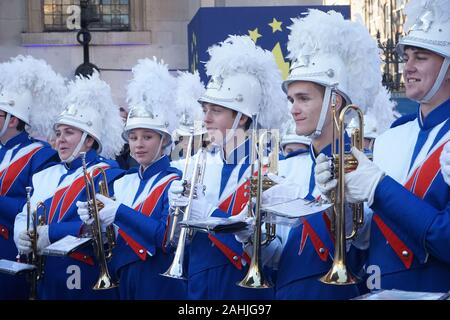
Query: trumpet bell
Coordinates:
[339,274]
[176,271]
[255,279]
[104,282]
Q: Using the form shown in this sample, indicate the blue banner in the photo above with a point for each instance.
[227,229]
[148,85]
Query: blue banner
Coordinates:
[267,26]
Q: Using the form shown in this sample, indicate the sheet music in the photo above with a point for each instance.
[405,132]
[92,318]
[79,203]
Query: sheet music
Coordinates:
[13,267]
[215,224]
[297,208]
[65,246]
[402,295]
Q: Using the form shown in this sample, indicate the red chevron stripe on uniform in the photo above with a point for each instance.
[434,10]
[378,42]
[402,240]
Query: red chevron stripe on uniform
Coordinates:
[14,170]
[418,183]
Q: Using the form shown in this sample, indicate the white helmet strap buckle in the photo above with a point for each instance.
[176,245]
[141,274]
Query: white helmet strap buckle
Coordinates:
[437,84]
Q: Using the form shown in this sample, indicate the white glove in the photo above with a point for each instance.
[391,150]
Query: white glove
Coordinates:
[24,243]
[200,208]
[445,163]
[175,194]
[283,191]
[83,212]
[243,236]
[43,240]
[323,177]
[108,214]
[360,184]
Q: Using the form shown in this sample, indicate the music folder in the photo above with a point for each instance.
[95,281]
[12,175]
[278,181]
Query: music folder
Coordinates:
[395,294]
[15,268]
[66,246]
[215,225]
[289,212]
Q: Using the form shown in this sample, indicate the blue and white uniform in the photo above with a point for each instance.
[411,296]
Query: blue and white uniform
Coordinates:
[217,262]
[20,158]
[60,187]
[309,248]
[410,233]
[139,258]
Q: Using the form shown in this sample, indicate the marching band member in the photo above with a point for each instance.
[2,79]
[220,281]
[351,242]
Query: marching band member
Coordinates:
[189,89]
[244,81]
[410,233]
[140,208]
[292,144]
[28,87]
[331,57]
[90,123]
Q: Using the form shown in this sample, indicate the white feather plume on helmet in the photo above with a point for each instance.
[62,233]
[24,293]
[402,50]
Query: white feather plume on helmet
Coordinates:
[32,91]
[327,49]
[382,111]
[188,110]
[246,78]
[90,108]
[338,54]
[428,25]
[150,96]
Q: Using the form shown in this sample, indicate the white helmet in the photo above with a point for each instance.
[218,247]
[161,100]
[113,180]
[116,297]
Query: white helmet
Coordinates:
[141,117]
[240,92]
[290,136]
[83,118]
[336,53]
[428,27]
[17,104]
[31,91]
[245,78]
[327,70]
[189,90]
[150,96]
[90,108]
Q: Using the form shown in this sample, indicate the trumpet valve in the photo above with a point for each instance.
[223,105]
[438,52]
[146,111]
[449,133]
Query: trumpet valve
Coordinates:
[267,183]
[350,164]
[100,204]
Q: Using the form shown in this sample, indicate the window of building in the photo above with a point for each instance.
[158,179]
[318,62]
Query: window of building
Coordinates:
[114,15]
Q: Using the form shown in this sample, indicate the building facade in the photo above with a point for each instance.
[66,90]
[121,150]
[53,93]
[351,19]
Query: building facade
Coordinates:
[127,30]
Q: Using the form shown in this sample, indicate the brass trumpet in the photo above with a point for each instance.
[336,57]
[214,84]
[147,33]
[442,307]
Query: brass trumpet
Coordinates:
[104,281]
[176,269]
[255,277]
[342,162]
[34,257]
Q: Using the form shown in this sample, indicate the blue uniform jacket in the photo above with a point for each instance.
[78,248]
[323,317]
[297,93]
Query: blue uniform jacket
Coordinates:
[139,257]
[410,234]
[217,261]
[308,253]
[60,187]
[20,158]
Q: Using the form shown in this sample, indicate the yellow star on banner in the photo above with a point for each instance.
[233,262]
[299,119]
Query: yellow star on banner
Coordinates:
[254,35]
[276,25]
[282,64]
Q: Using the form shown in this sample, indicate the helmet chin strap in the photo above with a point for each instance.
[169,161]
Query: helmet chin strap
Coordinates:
[5,124]
[329,92]
[439,80]
[77,149]
[156,157]
[231,131]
